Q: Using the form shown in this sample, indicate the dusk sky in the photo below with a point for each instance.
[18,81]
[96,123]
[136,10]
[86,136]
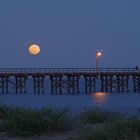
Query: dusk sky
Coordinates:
[69,32]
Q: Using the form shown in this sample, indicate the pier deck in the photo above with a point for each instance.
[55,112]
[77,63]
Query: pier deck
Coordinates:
[67,80]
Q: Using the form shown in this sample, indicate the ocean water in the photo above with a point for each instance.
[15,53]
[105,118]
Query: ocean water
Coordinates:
[125,102]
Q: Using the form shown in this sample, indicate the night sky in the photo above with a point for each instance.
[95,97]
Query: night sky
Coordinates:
[69,33]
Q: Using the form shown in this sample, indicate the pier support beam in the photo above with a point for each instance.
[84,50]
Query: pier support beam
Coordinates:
[4,84]
[73,84]
[90,84]
[20,84]
[56,84]
[122,83]
[136,83]
[68,84]
[38,84]
[107,82]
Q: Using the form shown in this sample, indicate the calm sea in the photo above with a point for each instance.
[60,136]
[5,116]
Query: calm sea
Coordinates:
[126,102]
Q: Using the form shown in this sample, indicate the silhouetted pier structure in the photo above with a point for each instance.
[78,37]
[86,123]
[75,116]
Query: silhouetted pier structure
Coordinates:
[67,80]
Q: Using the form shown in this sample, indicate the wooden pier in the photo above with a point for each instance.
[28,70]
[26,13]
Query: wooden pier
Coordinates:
[68,80]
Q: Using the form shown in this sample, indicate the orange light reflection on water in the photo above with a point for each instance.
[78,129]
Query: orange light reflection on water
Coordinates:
[100,93]
[100,97]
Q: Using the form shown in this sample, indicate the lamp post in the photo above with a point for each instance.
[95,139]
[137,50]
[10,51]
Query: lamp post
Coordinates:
[98,55]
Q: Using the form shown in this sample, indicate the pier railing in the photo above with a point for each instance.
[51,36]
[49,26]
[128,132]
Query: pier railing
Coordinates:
[67,70]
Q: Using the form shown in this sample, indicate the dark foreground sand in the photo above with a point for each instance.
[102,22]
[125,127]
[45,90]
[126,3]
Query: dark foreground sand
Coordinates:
[53,137]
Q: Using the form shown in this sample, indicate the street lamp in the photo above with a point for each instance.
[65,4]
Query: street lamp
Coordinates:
[98,55]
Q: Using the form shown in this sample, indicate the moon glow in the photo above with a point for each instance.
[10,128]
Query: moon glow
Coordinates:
[34,49]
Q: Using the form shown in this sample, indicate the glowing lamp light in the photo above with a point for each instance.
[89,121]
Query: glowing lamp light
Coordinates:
[98,54]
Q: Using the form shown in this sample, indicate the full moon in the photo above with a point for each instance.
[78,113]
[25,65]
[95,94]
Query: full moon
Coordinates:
[34,49]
